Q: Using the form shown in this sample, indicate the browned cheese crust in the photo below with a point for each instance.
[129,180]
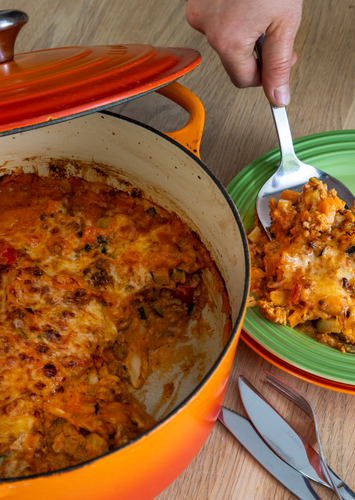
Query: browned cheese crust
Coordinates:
[96,285]
[305,276]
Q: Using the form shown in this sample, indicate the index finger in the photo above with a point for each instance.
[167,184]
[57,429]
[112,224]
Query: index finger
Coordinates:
[242,68]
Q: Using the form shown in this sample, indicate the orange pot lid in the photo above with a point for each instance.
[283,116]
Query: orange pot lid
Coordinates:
[47,86]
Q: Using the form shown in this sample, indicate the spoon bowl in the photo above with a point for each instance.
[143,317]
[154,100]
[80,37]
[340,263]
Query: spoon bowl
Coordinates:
[292,173]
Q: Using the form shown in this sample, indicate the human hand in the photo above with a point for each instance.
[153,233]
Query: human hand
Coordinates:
[232,28]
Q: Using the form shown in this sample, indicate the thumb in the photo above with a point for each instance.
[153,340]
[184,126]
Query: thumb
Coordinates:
[278,58]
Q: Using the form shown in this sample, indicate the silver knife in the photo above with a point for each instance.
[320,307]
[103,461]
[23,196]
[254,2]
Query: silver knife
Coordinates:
[243,430]
[284,440]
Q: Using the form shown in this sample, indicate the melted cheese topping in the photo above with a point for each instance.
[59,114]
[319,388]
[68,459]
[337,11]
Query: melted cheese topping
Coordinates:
[93,281]
[305,276]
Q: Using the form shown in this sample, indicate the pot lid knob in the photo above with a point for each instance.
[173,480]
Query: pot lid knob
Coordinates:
[11,21]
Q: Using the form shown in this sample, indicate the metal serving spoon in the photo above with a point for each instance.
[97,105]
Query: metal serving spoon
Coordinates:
[292,173]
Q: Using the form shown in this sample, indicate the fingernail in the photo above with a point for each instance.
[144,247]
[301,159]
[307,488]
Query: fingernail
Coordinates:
[282,94]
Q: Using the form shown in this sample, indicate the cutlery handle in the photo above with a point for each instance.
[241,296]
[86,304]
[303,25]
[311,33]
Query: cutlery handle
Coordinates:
[284,134]
[244,432]
[345,492]
[280,116]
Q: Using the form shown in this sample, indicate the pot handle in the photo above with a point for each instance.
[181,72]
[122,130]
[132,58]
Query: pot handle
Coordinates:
[190,135]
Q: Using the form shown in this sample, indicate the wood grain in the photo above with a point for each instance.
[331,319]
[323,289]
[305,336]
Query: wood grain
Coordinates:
[238,129]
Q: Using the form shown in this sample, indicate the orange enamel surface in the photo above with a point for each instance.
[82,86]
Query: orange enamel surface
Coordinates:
[296,372]
[190,135]
[38,87]
[145,467]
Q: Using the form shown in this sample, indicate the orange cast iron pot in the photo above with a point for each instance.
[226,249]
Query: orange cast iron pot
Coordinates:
[168,169]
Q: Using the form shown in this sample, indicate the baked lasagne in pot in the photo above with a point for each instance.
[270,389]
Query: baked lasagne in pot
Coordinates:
[98,286]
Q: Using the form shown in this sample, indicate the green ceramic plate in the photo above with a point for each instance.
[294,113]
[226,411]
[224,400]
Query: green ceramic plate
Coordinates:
[333,152]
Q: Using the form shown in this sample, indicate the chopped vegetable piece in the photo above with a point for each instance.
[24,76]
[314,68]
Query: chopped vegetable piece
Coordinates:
[290,195]
[330,207]
[349,348]
[155,294]
[23,333]
[284,204]
[161,277]
[101,239]
[278,297]
[179,276]
[255,234]
[312,196]
[142,312]
[158,308]
[103,371]
[86,248]
[350,251]
[341,335]
[104,222]
[9,255]
[330,325]
[116,252]
[134,363]
[151,211]
[5,455]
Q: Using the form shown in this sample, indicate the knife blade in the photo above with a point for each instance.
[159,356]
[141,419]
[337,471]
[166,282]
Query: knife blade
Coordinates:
[245,433]
[284,440]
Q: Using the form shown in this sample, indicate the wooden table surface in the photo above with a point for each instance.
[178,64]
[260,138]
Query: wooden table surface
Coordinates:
[238,129]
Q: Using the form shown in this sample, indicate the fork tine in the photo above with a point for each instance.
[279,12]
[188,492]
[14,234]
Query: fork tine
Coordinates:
[293,394]
[302,402]
[289,392]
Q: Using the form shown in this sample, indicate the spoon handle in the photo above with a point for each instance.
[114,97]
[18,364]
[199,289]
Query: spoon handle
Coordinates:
[283,133]
[279,114]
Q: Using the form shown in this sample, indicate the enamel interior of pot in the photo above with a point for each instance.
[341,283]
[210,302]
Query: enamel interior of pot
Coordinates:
[109,149]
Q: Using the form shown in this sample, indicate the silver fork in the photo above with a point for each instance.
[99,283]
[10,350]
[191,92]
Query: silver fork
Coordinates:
[292,173]
[302,402]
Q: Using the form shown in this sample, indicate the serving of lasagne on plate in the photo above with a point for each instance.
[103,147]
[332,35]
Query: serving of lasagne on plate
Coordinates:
[98,286]
[305,276]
